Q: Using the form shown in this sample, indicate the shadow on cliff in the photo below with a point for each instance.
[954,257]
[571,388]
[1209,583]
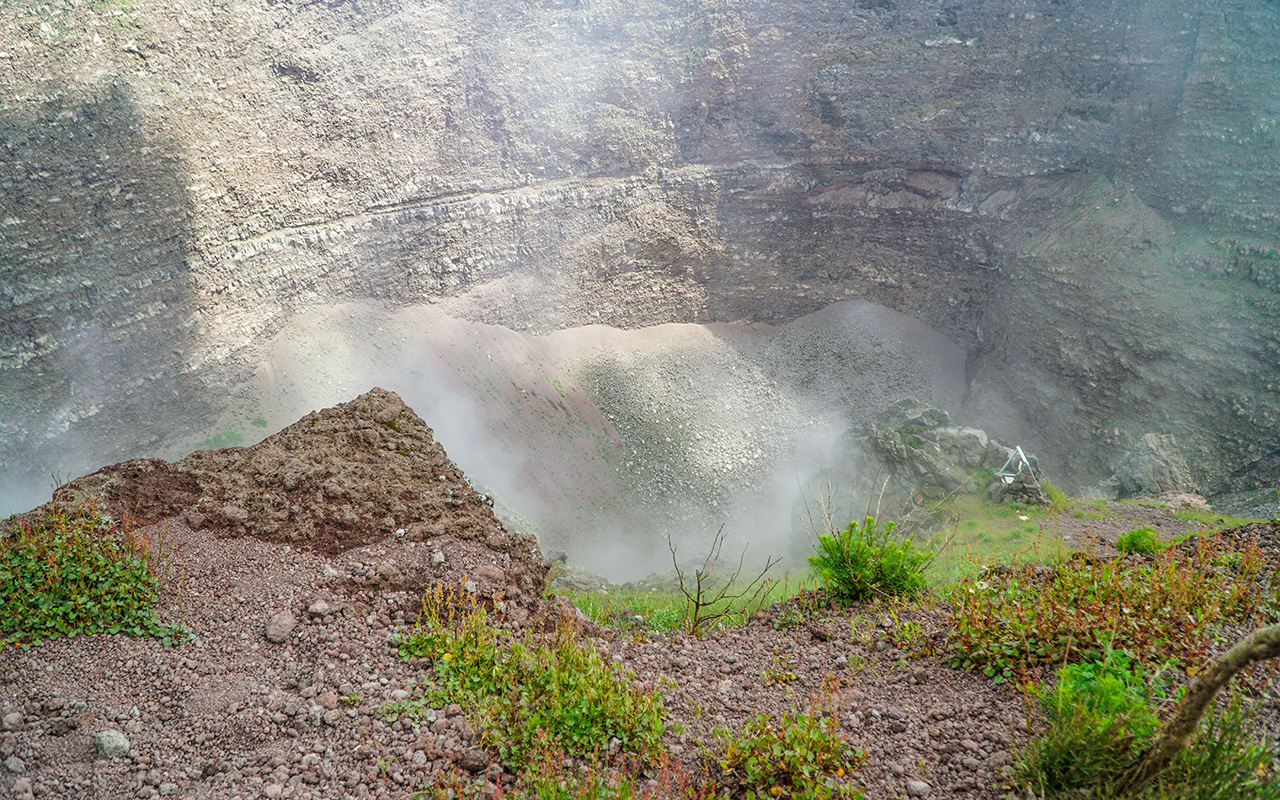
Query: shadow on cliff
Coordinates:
[95,287]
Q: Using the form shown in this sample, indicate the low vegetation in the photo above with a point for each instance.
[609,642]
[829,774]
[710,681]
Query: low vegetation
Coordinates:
[1100,646]
[799,756]
[1143,541]
[65,573]
[1031,616]
[1103,714]
[551,692]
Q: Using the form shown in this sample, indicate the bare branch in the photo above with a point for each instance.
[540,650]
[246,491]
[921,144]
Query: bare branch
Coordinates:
[1178,729]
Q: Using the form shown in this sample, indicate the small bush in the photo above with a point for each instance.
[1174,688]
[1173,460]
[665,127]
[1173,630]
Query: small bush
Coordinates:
[1079,750]
[1113,687]
[1144,541]
[866,559]
[549,692]
[70,573]
[801,757]
[1100,716]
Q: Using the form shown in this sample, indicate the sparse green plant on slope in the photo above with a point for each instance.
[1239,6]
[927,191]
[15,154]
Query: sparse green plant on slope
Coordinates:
[866,559]
[801,756]
[75,572]
[549,691]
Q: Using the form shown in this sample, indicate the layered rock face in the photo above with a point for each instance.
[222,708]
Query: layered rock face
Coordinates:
[1083,194]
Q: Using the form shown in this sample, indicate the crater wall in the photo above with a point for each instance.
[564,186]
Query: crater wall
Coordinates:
[1083,195]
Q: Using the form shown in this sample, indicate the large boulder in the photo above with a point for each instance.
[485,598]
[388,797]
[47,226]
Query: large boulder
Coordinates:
[910,414]
[911,451]
[1153,467]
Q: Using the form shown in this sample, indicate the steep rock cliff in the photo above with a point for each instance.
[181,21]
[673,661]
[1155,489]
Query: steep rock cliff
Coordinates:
[1083,194]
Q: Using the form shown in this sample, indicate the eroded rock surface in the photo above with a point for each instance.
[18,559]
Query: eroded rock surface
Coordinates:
[366,476]
[1083,194]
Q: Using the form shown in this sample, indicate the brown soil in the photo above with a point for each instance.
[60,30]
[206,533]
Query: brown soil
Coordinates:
[339,478]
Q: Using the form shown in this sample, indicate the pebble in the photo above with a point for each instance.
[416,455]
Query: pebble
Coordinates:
[15,765]
[280,626]
[12,721]
[474,760]
[111,744]
[918,789]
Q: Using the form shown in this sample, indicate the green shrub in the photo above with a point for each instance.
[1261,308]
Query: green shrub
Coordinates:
[69,573]
[549,692]
[866,559]
[801,757]
[1079,750]
[1144,541]
[1100,716]
[1114,687]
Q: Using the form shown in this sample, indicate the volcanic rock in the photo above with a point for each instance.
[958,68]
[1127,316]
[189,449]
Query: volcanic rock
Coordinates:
[280,626]
[111,744]
[1154,466]
[342,480]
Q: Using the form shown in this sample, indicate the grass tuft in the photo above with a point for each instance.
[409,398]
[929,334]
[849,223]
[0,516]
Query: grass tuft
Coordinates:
[1144,541]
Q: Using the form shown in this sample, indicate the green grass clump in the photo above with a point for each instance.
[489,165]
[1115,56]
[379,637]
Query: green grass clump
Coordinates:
[632,610]
[1058,499]
[1156,612]
[67,573]
[1144,541]
[1213,522]
[865,559]
[1099,713]
[1102,714]
[801,756]
[551,691]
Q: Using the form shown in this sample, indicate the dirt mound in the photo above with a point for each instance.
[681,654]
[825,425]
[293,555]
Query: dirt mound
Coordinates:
[352,476]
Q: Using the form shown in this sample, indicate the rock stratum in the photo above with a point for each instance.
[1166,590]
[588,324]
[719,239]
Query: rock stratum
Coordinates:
[1083,195]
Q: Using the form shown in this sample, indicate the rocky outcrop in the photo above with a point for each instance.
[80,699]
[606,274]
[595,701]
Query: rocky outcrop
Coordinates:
[1045,182]
[1154,467]
[366,477]
[912,451]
